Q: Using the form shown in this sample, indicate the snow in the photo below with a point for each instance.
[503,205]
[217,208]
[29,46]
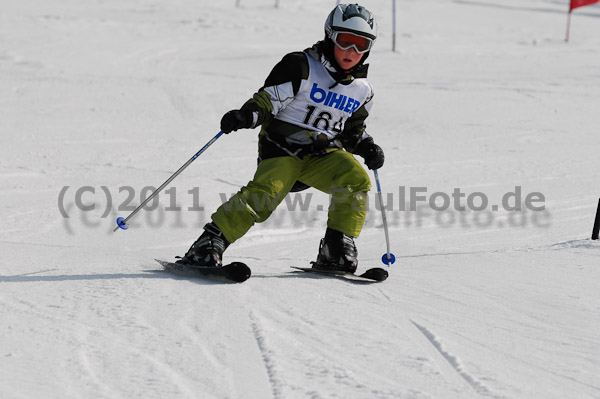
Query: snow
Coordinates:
[114,96]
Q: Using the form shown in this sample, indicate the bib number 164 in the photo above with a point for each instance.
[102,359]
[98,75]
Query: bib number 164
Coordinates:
[323,120]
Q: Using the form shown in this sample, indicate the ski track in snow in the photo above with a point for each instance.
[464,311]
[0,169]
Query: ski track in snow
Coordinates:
[266,354]
[454,363]
[87,350]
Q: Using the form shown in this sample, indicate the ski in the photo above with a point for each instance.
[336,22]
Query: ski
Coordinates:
[236,271]
[375,274]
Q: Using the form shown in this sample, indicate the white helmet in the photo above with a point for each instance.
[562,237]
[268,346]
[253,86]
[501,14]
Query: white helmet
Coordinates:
[351,18]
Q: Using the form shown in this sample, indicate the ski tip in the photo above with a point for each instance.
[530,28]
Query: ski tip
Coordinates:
[388,260]
[376,274]
[239,272]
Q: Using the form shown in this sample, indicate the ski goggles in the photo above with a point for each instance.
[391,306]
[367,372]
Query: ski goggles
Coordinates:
[346,40]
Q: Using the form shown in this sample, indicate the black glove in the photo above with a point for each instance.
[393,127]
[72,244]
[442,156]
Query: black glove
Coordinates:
[236,119]
[371,152]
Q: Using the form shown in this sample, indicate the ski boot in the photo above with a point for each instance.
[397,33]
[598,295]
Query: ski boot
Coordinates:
[337,252]
[208,249]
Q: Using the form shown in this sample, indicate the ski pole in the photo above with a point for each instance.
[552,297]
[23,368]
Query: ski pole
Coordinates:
[122,222]
[388,257]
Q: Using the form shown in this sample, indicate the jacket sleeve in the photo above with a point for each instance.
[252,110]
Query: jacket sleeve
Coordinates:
[354,131]
[279,89]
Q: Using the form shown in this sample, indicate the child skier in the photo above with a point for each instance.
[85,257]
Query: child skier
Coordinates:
[312,110]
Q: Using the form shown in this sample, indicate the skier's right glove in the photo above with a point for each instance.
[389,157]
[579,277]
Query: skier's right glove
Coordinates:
[236,119]
[371,152]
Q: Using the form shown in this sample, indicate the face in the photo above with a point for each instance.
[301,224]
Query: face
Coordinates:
[346,59]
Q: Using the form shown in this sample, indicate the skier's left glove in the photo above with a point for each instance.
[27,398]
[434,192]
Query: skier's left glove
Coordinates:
[371,152]
[236,119]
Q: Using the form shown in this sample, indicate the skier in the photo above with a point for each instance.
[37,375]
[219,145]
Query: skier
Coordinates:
[312,110]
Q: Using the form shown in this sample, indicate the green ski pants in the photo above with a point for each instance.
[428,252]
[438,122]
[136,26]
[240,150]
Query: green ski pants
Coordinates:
[338,173]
